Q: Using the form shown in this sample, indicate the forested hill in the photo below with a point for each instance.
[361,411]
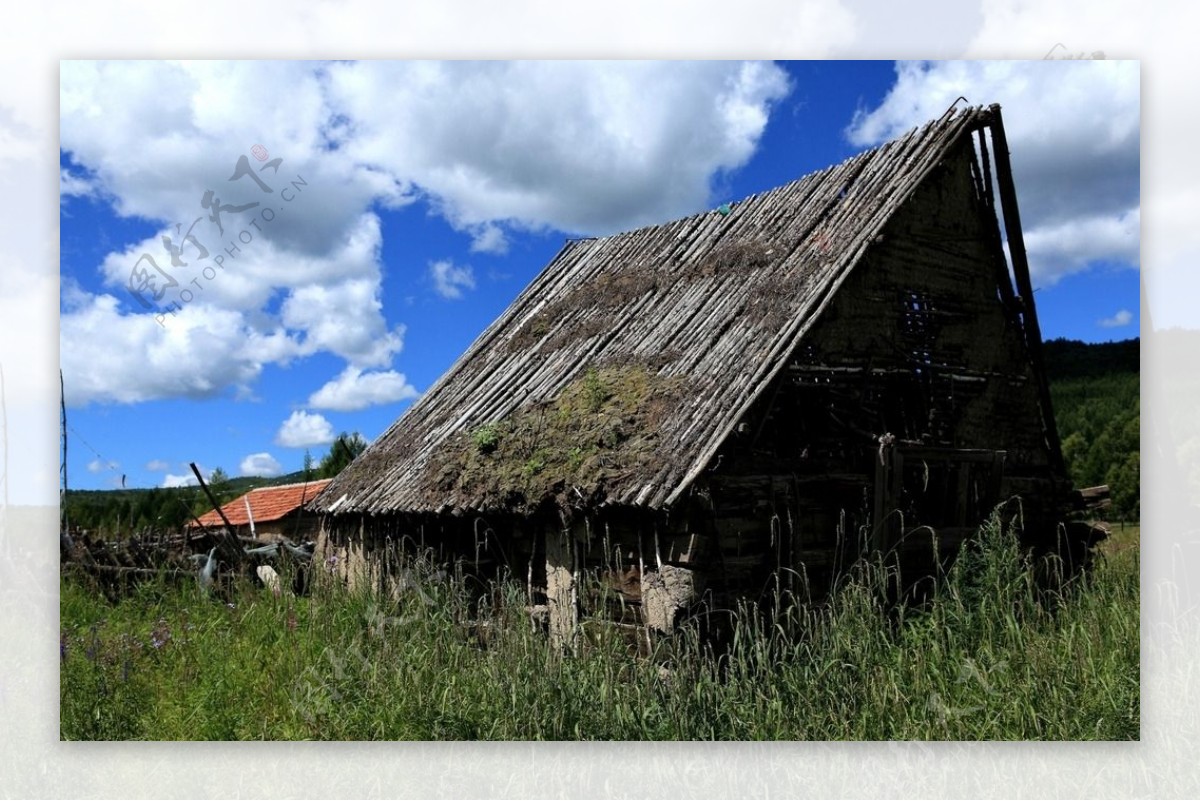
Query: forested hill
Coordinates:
[1069,358]
[122,510]
[1096,392]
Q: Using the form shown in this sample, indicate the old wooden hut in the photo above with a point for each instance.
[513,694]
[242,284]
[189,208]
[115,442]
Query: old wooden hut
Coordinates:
[766,389]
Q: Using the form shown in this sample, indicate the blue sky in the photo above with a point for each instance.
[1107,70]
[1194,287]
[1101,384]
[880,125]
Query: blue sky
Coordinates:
[412,201]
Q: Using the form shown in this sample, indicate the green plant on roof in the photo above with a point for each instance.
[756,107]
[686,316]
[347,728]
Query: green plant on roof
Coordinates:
[596,430]
[486,438]
[534,465]
[595,391]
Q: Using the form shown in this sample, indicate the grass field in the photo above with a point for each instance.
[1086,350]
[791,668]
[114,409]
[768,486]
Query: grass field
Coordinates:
[989,657]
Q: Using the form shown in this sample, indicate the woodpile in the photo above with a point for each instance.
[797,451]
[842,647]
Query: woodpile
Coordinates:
[117,565]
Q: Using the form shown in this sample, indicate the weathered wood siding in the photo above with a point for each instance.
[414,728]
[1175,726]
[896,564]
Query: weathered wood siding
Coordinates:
[919,348]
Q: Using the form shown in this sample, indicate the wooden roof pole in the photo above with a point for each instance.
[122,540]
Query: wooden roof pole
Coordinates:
[229,544]
[1016,248]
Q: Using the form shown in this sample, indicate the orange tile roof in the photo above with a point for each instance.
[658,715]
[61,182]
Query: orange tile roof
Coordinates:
[266,503]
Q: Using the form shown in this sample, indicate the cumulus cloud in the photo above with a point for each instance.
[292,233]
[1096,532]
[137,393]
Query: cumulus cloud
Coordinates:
[353,389]
[302,429]
[277,258]
[296,270]
[218,341]
[449,281]
[261,464]
[1069,246]
[127,358]
[157,466]
[587,147]
[1073,130]
[1122,318]
[99,466]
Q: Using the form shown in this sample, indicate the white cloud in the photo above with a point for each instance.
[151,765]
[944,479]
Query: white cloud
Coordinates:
[1073,130]
[157,466]
[99,466]
[489,239]
[127,358]
[261,464]
[449,281]
[306,280]
[354,389]
[1122,318]
[587,147]
[218,342]
[1071,245]
[493,147]
[71,185]
[302,429]
[186,480]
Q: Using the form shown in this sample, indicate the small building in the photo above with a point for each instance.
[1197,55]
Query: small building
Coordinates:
[270,513]
[740,400]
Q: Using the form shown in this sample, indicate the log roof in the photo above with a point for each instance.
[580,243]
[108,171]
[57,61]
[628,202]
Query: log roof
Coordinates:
[706,309]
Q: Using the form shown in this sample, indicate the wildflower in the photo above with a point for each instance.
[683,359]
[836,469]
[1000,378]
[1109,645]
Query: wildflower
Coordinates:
[331,563]
[161,634]
[62,646]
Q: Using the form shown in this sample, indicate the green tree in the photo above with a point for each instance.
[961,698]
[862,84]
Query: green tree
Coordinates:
[343,451]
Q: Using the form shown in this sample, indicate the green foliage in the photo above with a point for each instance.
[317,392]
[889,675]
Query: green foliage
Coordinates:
[1096,399]
[486,437]
[117,513]
[344,450]
[989,656]
[1068,358]
[594,391]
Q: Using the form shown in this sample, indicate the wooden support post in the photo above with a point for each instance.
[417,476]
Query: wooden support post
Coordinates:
[560,586]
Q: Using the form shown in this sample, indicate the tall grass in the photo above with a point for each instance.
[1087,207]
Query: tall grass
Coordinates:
[987,656]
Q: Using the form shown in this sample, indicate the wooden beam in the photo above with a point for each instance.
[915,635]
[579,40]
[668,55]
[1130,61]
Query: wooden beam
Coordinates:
[1016,249]
[228,544]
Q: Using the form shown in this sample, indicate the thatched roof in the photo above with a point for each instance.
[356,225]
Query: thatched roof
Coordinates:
[618,373]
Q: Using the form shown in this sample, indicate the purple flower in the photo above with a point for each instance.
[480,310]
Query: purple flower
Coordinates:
[161,634]
[62,646]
